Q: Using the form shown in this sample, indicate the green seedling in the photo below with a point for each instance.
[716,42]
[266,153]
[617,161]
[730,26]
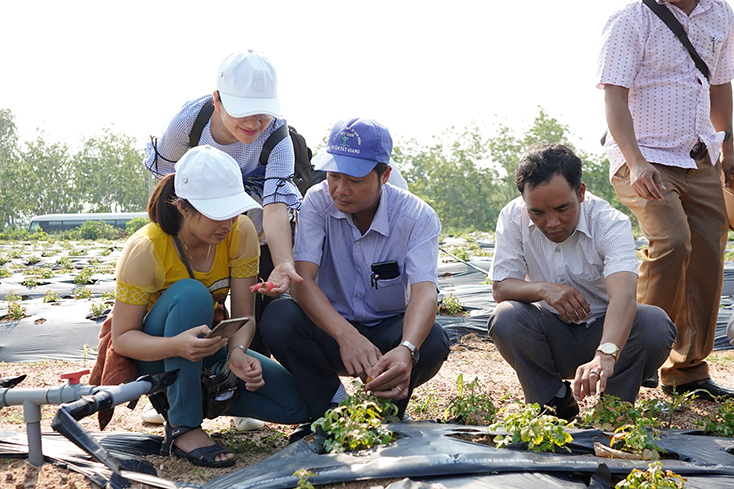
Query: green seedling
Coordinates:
[12,297]
[610,413]
[720,422]
[64,263]
[638,438]
[16,311]
[82,293]
[86,350]
[471,406]
[96,310]
[32,260]
[541,432]
[44,272]
[30,282]
[303,479]
[451,306]
[356,424]
[51,296]
[652,478]
[665,409]
[4,272]
[84,277]
[108,296]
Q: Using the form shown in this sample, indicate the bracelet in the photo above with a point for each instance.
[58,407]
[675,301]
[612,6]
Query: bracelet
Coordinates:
[233,349]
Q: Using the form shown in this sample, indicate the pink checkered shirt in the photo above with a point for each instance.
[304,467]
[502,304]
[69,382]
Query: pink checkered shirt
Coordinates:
[669,98]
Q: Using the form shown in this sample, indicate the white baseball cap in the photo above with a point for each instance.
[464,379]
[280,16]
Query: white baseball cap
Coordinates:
[248,85]
[211,181]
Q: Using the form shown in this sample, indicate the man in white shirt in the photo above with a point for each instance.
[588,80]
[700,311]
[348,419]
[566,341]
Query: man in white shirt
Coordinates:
[667,122]
[564,276]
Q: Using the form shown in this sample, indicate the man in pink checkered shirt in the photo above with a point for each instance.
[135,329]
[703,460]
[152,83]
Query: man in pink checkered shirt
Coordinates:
[668,126]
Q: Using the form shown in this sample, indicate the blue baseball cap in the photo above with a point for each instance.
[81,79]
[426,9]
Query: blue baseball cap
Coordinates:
[355,146]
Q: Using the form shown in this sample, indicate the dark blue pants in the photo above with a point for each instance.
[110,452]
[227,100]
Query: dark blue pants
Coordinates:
[313,357]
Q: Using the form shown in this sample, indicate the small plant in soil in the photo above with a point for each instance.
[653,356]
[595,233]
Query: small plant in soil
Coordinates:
[51,296]
[82,293]
[664,409]
[43,272]
[30,282]
[303,479]
[450,305]
[64,263]
[610,412]
[12,297]
[356,424]
[108,296]
[720,422]
[84,277]
[471,406]
[541,432]
[4,272]
[16,311]
[96,310]
[652,478]
[638,438]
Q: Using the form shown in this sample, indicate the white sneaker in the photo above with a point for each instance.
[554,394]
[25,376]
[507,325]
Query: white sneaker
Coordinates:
[150,415]
[247,424]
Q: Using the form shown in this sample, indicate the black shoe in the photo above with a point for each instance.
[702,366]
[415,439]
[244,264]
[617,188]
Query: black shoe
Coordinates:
[301,432]
[652,382]
[564,408]
[707,390]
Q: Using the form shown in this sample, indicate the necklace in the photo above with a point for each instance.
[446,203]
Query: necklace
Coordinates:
[193,262]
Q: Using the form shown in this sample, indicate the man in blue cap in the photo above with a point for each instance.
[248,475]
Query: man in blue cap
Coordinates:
[368,254]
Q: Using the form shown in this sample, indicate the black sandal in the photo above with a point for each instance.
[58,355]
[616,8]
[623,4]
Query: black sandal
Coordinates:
[202,456]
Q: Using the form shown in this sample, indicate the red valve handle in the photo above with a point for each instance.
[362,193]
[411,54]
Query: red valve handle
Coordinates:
[75,376]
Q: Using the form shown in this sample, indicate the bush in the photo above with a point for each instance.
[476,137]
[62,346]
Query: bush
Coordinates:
[98,230]
[134,224]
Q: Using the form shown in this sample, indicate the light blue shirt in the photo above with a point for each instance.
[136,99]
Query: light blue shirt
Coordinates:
[404,229]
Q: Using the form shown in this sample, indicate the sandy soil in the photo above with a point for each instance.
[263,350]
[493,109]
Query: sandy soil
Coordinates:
[472,357]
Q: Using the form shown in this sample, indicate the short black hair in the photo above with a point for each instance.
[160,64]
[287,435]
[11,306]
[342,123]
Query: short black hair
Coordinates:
[380,169]
[542,161]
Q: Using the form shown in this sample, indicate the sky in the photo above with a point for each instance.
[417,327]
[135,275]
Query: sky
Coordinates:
[71,69]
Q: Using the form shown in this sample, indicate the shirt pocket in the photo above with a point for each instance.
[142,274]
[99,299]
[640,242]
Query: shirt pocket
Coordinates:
[389,297]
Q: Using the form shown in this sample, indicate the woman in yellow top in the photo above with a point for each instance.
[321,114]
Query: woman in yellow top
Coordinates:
[170,276]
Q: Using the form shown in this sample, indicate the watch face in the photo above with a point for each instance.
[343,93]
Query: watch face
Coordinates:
[609,348]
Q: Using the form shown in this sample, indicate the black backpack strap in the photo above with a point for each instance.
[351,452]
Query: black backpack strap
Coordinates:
[669,19]
[205,113]
[277,136]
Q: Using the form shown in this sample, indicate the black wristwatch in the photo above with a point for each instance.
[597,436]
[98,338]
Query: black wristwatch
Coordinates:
[415,355]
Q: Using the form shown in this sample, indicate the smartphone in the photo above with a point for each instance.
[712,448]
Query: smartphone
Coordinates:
[385,270]
[227,328]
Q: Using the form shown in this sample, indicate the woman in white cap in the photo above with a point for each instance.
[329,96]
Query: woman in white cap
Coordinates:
[245,113]
[171,275]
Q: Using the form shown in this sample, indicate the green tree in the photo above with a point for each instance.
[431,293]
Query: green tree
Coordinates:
[109,175]
[453,175]
[16,180]
[52,190]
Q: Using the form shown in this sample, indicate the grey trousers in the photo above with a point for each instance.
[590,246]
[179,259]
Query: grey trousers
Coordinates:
[544,350]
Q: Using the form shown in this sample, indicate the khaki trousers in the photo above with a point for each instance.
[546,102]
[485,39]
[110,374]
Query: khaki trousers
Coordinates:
[682,269]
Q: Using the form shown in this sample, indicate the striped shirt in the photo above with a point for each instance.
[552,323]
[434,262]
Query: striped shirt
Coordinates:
[668,96]
[601,244]
[276,188]
[404,229]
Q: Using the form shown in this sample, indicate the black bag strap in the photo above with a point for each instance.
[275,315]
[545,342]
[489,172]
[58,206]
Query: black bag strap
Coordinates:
[183,255]
[205,113]
[277,136]
[669,19]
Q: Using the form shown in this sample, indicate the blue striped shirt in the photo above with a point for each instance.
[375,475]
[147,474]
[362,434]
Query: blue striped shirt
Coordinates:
[404,229]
